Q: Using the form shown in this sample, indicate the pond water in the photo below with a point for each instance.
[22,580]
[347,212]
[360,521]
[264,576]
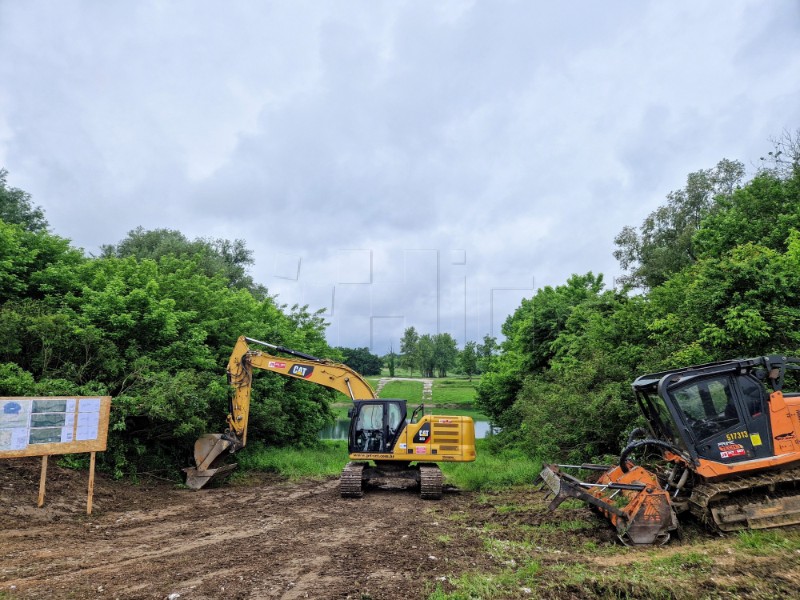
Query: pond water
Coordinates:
[340,429]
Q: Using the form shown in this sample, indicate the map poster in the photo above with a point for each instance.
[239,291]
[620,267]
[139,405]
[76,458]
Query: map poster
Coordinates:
[53,425]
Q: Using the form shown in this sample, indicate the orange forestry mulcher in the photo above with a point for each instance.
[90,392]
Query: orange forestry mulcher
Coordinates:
[727,450]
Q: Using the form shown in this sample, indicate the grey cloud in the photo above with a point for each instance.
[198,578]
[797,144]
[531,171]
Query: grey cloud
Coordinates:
[524,134]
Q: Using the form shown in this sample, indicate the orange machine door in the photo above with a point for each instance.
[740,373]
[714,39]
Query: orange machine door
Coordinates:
[714,419]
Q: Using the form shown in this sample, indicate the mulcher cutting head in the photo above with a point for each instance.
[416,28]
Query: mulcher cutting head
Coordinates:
[633,501]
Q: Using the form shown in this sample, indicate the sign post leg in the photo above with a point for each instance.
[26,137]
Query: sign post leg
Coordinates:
[91,484]
[42,479]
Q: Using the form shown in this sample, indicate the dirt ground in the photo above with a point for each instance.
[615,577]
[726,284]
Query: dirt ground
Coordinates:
[268,538]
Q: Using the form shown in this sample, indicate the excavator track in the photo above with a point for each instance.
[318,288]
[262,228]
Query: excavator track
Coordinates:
[754,502]
[350,484]
[430,482]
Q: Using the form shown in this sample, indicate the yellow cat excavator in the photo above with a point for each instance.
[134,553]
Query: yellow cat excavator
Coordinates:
[726,440]
[380,429]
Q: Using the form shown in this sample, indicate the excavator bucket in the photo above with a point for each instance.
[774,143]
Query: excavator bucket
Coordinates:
[632,500]
[208,456]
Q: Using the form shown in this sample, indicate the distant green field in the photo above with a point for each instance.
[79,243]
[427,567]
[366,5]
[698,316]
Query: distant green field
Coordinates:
[454,391]
[410,390]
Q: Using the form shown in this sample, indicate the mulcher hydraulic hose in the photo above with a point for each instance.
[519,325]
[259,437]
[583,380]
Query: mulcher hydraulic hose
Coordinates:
[623,458]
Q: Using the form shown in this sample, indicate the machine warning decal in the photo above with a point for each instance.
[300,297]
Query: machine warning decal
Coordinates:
[421,450]
[303,371]
[729,450]
[756,439]
[423,435]
[403,446]
[274,364]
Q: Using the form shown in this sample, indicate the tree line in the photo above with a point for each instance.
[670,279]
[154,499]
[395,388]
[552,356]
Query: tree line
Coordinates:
[150,322]
[712,274]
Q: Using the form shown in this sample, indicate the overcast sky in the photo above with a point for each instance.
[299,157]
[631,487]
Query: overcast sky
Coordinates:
[395,163]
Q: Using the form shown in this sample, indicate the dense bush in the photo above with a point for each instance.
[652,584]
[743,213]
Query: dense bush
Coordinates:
[152,323]
[719,270]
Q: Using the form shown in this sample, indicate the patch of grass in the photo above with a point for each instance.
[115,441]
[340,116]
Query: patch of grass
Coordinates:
[410,390]
[506,584]
[453,391]
[574,525]
[458,516]
[506,550]
[456,412]
[326,459]
[444,539]
[468,586]
[629,581]
[760,542]
[676,564]
[493,471]
[572,503]
[516,508]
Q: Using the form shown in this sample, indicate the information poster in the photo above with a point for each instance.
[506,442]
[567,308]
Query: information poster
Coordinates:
[39,426]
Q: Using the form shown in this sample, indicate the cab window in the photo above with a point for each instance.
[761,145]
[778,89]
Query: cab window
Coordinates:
[370,417]
[395,416]
[753,393]
[708,406]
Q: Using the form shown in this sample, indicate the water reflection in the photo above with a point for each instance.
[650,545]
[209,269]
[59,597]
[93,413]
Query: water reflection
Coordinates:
[339,430]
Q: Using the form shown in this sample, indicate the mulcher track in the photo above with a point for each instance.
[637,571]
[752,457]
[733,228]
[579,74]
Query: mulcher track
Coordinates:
[743,502]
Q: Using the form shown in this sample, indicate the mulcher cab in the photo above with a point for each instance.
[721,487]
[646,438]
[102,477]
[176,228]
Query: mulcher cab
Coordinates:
[380,430]
[727,438]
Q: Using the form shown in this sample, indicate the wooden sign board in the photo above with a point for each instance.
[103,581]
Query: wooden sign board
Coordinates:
[53,425]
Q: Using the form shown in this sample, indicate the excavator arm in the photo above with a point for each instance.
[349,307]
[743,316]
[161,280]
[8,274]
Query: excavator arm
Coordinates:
[210,448]
[303,366]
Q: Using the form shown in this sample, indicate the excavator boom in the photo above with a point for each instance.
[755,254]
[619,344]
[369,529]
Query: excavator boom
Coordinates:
[211,449]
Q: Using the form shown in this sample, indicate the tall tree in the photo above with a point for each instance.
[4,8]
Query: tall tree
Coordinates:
[426,355]
[783,160]
[468,359]
[16,207]
[664,243]
[229,259]
[445,353]
[391,361]
[409,349]
[531,332]
[485,352]
[362,360]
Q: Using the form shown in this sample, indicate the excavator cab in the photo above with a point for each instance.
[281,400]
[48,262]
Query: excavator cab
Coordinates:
[375,425]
